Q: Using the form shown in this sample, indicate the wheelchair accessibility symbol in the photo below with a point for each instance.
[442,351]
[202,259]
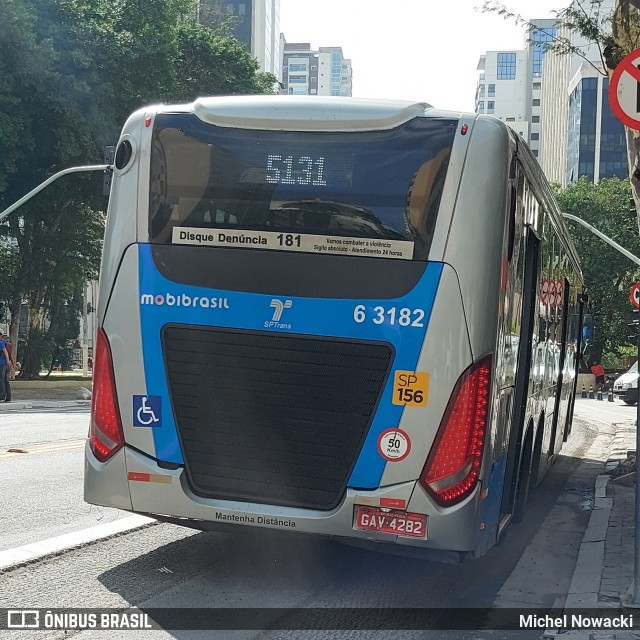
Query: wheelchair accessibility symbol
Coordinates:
[147,411]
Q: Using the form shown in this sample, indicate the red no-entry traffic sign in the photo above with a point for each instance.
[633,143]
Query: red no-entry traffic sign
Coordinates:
[634,295]
[624,90]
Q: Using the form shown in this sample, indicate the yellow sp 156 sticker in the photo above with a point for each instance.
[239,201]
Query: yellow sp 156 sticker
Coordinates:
[410,388]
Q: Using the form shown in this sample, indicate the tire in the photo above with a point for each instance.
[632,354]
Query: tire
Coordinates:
[631,397]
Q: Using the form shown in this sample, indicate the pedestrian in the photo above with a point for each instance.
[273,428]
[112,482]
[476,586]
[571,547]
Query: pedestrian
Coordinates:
[10,368]
[598,371]
[5,364]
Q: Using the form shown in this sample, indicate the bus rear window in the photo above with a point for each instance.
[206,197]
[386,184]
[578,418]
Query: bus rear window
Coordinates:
[306,191]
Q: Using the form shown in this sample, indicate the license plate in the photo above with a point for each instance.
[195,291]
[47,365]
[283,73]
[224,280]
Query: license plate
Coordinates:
[400,523]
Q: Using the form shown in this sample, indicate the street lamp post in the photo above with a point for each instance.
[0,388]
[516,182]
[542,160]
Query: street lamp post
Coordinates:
[85,335]
[601,235]
[48,181]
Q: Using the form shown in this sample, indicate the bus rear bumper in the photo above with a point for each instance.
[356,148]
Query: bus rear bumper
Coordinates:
[105,483]
[157,491]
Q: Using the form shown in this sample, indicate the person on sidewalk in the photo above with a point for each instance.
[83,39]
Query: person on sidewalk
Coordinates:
[598,371]
[5,363]
[11,366]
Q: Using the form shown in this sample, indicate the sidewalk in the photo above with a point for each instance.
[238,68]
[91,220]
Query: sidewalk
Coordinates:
[604,568]
[46,394]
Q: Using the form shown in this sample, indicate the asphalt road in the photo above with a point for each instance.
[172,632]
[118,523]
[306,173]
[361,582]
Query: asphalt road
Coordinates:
[46,463]
[42,426]
[167,566]
[606,412]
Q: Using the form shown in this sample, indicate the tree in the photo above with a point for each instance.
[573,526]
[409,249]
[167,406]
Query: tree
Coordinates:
[217,62]
[45,121]
[10,301]
[608,274]
[71,71]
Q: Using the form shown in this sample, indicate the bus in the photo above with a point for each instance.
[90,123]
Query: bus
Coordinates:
[336,316]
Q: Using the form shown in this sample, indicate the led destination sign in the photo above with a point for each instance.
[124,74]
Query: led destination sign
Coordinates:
[300,170]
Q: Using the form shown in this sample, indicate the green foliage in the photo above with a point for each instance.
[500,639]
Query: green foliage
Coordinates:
[71,71]
[621,360]
[608,207]
[211,63]
[213,14]
[65,326]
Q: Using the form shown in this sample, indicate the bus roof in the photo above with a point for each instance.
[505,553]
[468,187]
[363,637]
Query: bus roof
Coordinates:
[301,113]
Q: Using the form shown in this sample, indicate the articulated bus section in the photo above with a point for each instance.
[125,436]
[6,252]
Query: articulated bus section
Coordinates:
[346,330]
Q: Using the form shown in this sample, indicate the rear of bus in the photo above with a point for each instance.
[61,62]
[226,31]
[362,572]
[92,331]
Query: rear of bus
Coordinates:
[282,341]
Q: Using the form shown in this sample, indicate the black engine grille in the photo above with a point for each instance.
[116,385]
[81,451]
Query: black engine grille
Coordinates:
[272,418]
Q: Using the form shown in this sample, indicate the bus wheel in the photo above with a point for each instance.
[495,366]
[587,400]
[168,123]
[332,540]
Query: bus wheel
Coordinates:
[631,397]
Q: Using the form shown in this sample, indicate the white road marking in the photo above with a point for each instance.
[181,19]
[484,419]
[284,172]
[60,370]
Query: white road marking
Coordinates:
[37,550]
[55,446]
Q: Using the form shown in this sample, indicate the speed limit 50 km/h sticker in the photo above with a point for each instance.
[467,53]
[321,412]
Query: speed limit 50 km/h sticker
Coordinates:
[394,445]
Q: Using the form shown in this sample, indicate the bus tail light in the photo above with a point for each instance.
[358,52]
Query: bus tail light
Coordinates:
[453,466]
[105,434]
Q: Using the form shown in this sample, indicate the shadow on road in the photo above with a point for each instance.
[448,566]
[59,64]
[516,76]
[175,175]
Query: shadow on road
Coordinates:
[254,568]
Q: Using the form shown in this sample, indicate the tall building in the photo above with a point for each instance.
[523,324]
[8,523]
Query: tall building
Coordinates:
[325,72]
[257,26]
[510,84]
[299,69]
[580,134]
[542,31]
[596,145]
[502,88]
[554,116]
[336,75]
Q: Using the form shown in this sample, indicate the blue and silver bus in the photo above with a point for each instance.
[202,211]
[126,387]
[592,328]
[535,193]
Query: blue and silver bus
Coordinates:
[344,317]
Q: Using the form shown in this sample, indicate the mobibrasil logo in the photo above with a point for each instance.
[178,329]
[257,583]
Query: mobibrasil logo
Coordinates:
[183,300]
[279,306]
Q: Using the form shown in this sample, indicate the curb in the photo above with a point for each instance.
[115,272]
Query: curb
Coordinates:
[50,384]
[585,582]
[20,405]
[587,576]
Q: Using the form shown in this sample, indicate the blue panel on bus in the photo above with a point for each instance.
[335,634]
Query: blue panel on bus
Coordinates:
[490,507]
[401,321]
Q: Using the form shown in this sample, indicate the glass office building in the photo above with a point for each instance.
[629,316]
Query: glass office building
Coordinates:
[596,146]
[613,145]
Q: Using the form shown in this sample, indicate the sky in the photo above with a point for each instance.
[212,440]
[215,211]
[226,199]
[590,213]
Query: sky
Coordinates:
[423,50]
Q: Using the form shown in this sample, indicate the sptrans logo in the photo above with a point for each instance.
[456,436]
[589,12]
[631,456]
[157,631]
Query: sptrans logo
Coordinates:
[279,307]
[183,300]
